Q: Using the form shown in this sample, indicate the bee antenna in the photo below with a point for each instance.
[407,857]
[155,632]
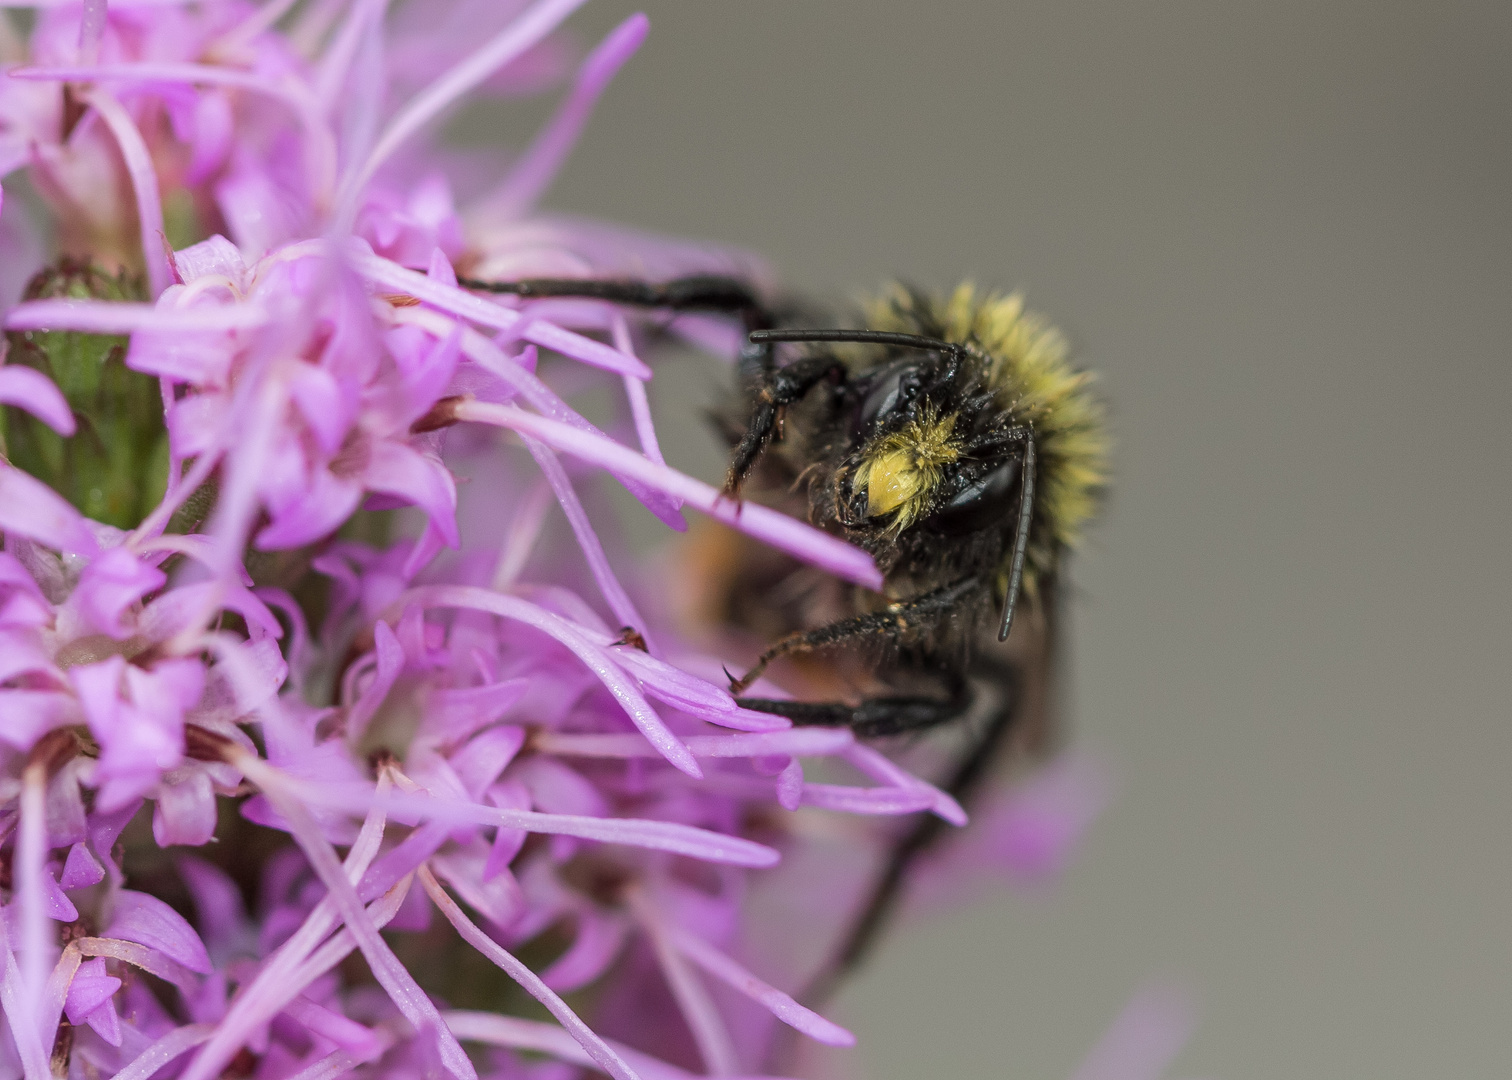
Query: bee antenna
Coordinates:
[865,337]
[1021,540]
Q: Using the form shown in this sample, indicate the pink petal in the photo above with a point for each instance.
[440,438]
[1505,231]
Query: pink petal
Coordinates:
[779,1004]
[879,767]
[212,140]
[99,689]
[34,392]
[323,507]
[148,921]
[111,584]
[520,34]
[91,988]
[116,317]
[29,714]
[144,182]
[518,375]
[217,901]
[185,811]
[13,574]
[441,268]
[216,256]
[323,402]
[390,662]
[55,902]
[602,1054]
[396,469]
[508,795]
[30,508]
[484,312]
[170,1046]
[779,530]
[790,786]
[609,585]
[860,800]
[106,1023]
[598,941]
[396,980]
[539,165]
[498,898]
[81,868]
[614,680]
[668,836]
[479,763]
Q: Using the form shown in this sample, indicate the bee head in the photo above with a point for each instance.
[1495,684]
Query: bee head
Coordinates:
[931,448]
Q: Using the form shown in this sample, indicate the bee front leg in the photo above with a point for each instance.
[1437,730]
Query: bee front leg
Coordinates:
[774,391]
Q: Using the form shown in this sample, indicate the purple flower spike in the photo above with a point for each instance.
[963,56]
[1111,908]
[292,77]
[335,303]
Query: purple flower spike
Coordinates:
[481,729]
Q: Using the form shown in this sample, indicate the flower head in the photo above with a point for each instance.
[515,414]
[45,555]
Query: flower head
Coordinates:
[375,733]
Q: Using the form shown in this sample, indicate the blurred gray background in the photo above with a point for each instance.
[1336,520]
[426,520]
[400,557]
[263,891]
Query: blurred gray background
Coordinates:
[1282,233]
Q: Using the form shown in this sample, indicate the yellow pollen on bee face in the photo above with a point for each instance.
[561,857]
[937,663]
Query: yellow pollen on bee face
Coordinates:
[890,482]
[901,470]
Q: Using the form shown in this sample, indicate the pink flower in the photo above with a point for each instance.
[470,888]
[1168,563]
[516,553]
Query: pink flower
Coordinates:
[507,737]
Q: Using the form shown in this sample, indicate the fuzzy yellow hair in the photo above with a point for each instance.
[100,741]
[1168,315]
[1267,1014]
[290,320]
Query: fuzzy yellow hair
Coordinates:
[900,470]
[1036,384]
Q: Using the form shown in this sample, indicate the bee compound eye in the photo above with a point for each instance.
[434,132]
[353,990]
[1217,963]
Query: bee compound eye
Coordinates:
[894,389]
[991,499]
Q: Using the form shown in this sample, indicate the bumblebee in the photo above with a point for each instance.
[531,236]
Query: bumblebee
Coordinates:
[949,437]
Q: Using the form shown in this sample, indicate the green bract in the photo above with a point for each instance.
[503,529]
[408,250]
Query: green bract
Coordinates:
[114,467]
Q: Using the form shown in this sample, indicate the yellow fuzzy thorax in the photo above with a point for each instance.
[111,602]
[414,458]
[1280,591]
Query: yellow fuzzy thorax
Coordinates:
[1027,365]
[900,470]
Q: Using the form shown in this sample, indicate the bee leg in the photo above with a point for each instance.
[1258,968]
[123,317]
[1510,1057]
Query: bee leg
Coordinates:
[774,391]
[873,717]
[972,767]
[892,621]
[696,292]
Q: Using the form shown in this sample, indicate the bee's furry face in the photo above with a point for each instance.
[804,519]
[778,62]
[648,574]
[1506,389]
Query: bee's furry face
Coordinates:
[929,448]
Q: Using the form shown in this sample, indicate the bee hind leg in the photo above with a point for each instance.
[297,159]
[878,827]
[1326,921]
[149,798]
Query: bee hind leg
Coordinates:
[873,717]
[973,765]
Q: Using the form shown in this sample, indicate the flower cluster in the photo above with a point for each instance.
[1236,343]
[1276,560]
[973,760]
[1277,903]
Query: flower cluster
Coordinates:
[540,794]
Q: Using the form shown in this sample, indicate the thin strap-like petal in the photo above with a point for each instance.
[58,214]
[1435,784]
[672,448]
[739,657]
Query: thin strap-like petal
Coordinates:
[601,1053]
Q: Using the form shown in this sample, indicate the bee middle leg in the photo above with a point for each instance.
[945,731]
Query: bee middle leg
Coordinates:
[892,622]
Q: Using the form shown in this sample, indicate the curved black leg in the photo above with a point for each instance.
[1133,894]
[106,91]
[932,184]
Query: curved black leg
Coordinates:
[966,778]
[774,391]
[891,622]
